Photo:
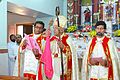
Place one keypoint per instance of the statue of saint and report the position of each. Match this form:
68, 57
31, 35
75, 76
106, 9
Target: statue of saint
87, 14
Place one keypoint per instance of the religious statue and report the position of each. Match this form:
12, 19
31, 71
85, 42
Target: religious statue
87, 14
109, 12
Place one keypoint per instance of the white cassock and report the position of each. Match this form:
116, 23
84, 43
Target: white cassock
101, 71
57, 60
118, 47
75, 68
12, 53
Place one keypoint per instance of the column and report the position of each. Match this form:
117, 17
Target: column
101, 10
3, 24
95, 10
3, 38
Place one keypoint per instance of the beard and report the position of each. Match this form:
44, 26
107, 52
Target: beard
100, 34
13, 40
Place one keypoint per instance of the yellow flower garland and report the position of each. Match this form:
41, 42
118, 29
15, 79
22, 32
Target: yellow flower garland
117, 33
71, 28
92, 33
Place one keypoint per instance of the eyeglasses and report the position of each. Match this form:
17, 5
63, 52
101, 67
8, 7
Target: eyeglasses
18, 37
38, 27
99, 28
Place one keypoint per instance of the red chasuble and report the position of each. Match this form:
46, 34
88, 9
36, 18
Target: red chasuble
107, 53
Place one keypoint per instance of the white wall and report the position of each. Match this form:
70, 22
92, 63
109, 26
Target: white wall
45, 20
65, 8
3, 24
3, 37
4, 64
17, 19
45, 6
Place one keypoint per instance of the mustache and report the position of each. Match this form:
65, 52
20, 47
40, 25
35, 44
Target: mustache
100, 34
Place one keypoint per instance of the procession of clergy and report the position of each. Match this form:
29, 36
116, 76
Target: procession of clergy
43, 56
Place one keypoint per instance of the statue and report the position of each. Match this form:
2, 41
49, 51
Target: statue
109, 12
87, 14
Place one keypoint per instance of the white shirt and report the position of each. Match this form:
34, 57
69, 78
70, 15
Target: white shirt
12, 51
98, 50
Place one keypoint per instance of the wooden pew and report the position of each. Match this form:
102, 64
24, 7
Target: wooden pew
4, 77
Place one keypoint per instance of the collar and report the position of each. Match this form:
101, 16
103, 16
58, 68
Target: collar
100, 39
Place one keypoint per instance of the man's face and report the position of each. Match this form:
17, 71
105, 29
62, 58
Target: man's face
13, 38
18, 39
57, 29
100, 30
38, 28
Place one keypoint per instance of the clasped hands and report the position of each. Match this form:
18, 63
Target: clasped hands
97, 61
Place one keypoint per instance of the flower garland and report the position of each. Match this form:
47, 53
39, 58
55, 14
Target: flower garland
117, 33
72, 28
92, 33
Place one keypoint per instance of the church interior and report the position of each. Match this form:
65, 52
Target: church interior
19, 16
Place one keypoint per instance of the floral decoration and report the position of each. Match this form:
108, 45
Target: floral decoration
117, 33
72, 28
92, 33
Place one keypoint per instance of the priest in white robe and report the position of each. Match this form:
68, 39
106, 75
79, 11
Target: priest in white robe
11, 54
101, 61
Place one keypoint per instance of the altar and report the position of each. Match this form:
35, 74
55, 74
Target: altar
85, 13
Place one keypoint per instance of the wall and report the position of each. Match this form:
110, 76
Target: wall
3, 38
17, 19
65, 8
14, 19
4, 64
11, 30
40, 5
45, 20
3, 24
